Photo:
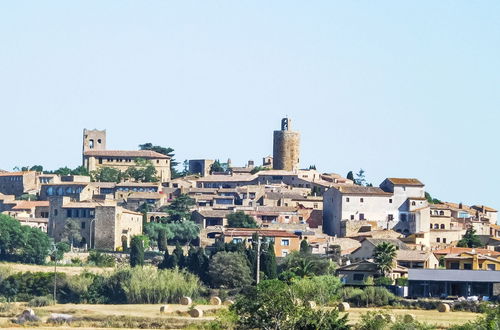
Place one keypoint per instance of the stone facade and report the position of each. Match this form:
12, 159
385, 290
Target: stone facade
286, 147
18, 183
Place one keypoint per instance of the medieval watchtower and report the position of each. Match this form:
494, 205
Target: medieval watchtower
286, 147
94, 140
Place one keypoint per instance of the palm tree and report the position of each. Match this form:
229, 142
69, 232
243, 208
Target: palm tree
384, 255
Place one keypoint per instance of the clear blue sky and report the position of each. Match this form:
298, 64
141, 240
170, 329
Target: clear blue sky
399, 88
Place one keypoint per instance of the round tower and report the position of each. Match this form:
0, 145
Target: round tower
286, 147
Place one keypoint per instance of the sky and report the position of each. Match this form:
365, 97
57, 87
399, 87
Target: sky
398, 88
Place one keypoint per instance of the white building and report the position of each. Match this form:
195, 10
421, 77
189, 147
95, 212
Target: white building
398, 204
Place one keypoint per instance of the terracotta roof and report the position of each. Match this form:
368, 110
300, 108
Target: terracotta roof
405, 182
458, 250
482, 207
361, 190
122, 153
228, 178
214, 213
24, 205
394, 241
248, 232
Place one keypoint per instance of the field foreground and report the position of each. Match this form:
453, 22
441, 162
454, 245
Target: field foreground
140, 316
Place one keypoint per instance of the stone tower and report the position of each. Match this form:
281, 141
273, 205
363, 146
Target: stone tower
286, 147
94, 140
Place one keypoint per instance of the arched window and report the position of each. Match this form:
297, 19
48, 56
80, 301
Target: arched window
431, 225
413, 203
91, 144
152, 219
436, 226
441, 212
442, 226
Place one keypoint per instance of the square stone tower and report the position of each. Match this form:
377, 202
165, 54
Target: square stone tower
286, 147
94, 140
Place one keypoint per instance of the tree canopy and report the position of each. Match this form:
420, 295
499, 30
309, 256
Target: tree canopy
167, 151
229, 270
384, 255
470, 239
240, 219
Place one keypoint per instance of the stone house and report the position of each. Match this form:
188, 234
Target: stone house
416, 259
358, 272
284, 241
18, 183
365, 251
103, 225
472, 261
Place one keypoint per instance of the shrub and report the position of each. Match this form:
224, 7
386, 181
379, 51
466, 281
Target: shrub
322, 289
383, 281
41, 301
375, 320
369, 296
402, 281
491, 321
101, 259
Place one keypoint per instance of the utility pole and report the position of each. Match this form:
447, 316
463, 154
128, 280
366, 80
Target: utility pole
257, 276
54, 251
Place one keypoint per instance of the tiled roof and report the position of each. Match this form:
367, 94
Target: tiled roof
412, 255
393, 241
361, 190
405, 182
14, 173
248, 232
24, 205
228, 178
214, 213
145, 195
457, 250
482, 207
122, 153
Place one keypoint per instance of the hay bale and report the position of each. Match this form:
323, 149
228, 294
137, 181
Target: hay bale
163, 309
196, 312
186, 301
228, 302
215, 301
390, 318
344, 307
444, 308
60, 318
311, 304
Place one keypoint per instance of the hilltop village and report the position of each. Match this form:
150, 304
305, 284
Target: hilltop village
119, 194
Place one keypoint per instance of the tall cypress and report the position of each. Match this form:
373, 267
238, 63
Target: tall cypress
179, 253
162, 240
268, 262
164, 263
136, 251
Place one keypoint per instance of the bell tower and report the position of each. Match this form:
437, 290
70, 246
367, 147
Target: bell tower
286, 147
94, 140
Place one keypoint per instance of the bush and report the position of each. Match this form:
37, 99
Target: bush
402, 281
101, 259
491, 321
322, 289
383, 281
369, 296
41, 301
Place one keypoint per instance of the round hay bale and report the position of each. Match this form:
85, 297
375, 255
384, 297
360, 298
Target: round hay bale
390, 318
28, 313
443, 308
344, 307
196, 312
311, 304
297, 302
228, 302
186, 301
164, 309
215, 301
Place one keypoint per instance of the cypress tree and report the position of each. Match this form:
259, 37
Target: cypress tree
162, 240
179, 253
191, 261
172, 261
164, 263
304, 247
268, 262
136, 251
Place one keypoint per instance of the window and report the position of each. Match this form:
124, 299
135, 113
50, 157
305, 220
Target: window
413, 203
468, 266
358, 277
441, 212
390, 200
436, 226
454, 265
361, 200
352, 216
315, 205
438, 240
442, 226
361, 216
347, 199
431, 225
285, 242
237, 240
284, 253
83, 225
390, 217
444, 240
491, 267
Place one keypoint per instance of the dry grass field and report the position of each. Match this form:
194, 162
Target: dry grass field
69, 270
138, 316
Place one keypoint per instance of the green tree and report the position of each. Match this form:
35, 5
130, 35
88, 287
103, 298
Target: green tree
179, 253
470, 239
217, 166
268, 262
61, 249
12, 236
271, 305
183, 231
432, 200
162, 239
384, 255
167, 151
240, 219
36, 168
164, 263
137, 251
360, 178
180, 209
304, 247
107, 174
300, 265
36, 249
350, 176
143, 171
229, 270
